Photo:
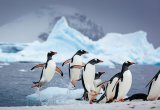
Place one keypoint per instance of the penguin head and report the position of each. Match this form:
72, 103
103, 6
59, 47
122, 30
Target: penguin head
51, 53
128, 63
81, 52
95, 61
98, 75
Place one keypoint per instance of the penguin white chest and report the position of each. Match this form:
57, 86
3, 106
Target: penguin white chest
49, 71
109, 93
154, 92
88, 77
125, 84
75, 72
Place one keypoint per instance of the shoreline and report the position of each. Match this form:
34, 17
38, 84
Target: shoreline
134, 105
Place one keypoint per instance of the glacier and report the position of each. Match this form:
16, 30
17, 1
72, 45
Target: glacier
112, 48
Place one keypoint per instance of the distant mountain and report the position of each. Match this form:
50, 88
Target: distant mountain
38, 24
84, 25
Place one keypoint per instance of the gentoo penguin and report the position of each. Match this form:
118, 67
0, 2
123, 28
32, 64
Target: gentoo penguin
48, 70
109, 94
75, 73
88, 77
154, 87
96, 82
119, 85
124, 82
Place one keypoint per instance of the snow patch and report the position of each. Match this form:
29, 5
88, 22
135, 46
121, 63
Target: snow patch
56, 96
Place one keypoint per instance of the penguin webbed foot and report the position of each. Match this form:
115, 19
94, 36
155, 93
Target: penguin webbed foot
36, 84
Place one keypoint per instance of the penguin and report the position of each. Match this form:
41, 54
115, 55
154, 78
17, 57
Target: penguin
96, 82
154, 87
137, 96
48, 70
109, 94
119, 85
88, 76
75, 73
124, 82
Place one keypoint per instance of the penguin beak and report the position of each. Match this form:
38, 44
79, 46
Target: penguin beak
132, 63
53, 53
86, 52
100, 61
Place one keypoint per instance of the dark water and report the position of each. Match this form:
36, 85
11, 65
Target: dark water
16, 80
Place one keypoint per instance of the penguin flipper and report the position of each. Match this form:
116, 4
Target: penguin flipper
103, 83
77, 66
66, 62
116, 84
38, 66
155, 77
58, 70
150, 82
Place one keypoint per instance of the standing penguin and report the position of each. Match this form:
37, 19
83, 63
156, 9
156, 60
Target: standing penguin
48, 70
119, 85
124, 82
88, 77
154, 87
75, 73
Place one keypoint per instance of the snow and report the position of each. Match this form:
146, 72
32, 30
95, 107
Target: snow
143, 105
112, 48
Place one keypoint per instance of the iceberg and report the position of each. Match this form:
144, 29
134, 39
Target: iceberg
56, 96
112, 48
132, 46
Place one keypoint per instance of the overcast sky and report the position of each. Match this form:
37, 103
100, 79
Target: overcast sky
121, 16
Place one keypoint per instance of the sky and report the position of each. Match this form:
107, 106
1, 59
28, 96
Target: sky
120, 16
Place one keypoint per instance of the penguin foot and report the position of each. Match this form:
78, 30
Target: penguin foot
120, 100
36, 84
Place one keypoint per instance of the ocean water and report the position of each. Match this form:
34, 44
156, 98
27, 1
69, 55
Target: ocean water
16, 80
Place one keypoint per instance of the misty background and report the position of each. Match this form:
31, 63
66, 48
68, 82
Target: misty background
122, 16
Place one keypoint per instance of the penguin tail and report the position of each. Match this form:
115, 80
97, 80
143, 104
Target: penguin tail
126, 99
36, 84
